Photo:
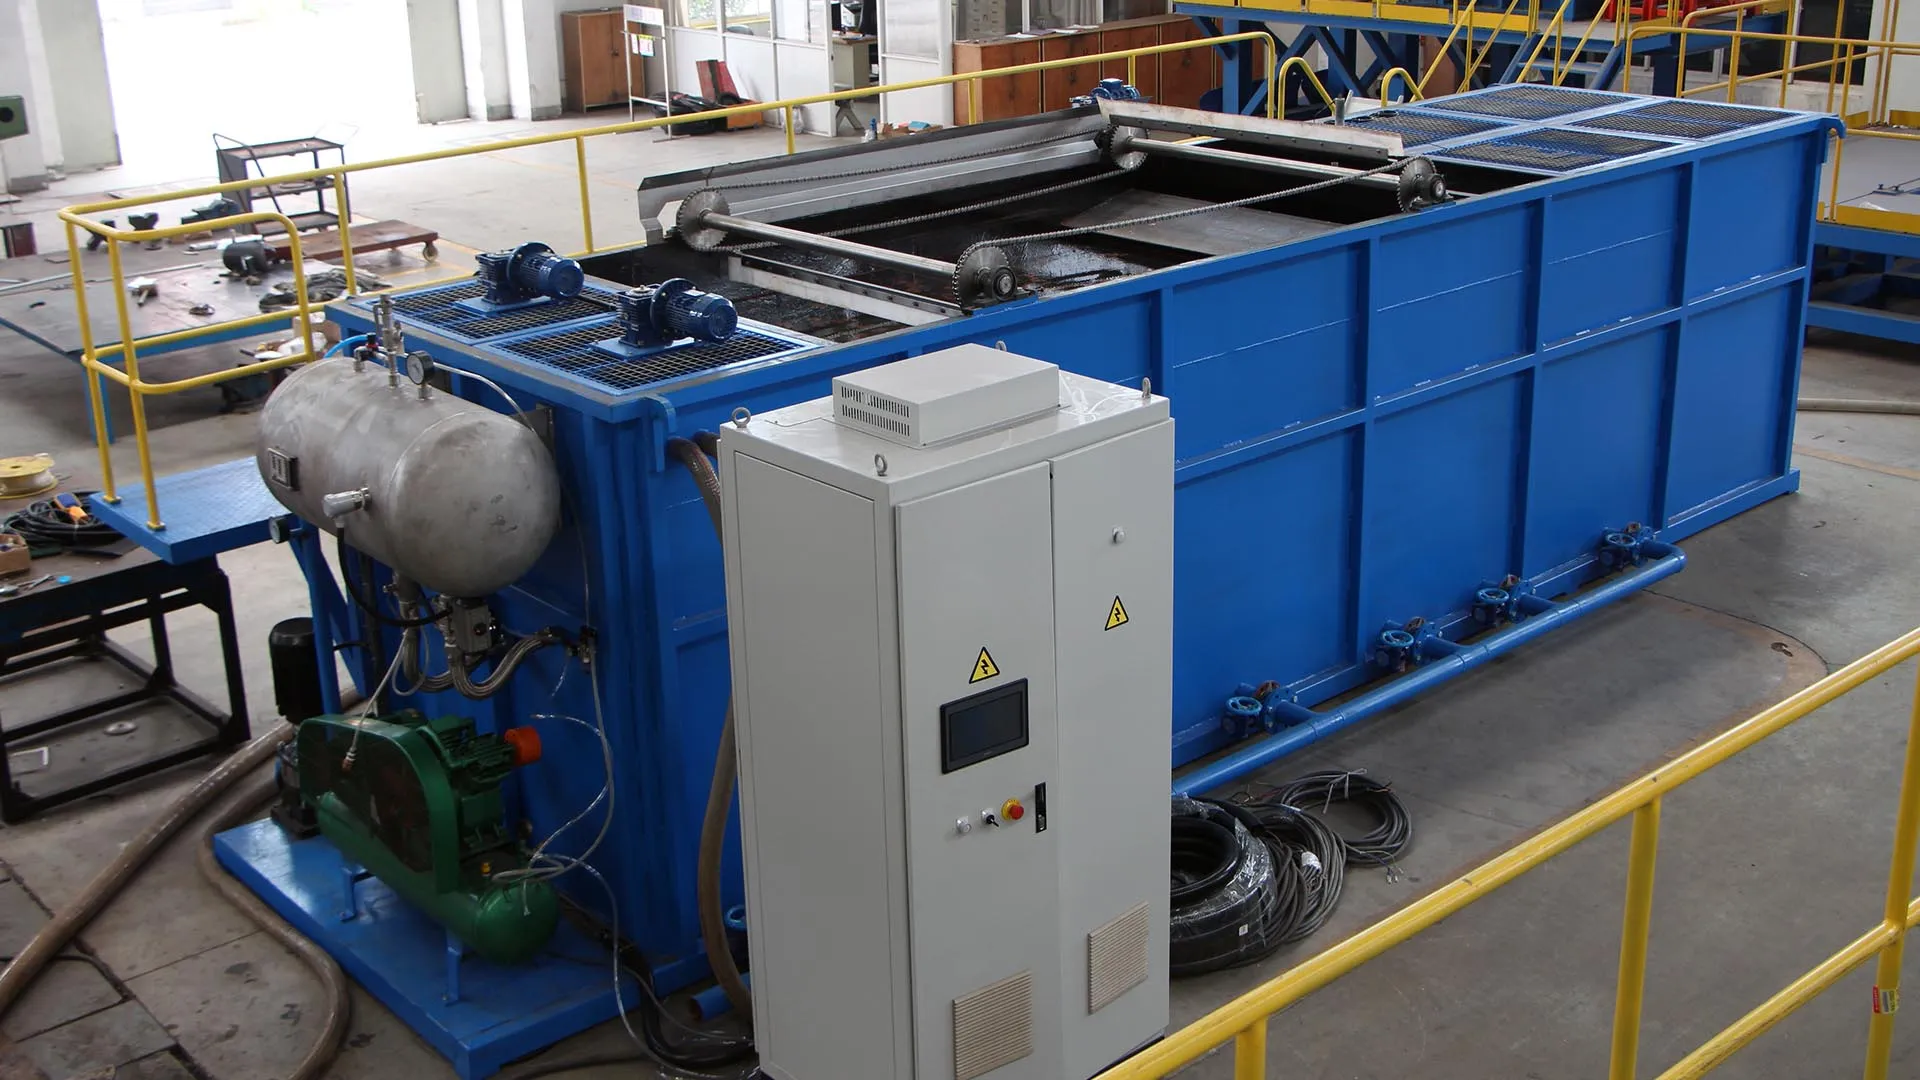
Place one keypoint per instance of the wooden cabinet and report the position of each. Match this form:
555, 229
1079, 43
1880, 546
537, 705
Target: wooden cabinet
1187, 73
1059, 86
1175, 78
1146, 69
1007, 96
594, 49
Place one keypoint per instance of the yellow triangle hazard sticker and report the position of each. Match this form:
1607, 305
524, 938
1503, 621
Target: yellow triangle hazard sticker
984, 668
1117, 615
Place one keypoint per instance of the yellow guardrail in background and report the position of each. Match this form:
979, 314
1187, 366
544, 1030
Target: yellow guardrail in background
93, 357
1879, 121
1244, 1020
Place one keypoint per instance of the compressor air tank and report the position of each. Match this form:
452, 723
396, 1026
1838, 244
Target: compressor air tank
450, 494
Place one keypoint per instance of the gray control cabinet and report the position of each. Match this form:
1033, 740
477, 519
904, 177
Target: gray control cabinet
952, 670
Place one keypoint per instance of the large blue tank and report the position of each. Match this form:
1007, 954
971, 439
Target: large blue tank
1376, 425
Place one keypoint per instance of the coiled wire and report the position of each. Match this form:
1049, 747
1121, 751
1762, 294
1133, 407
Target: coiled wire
1381, 844
42, 523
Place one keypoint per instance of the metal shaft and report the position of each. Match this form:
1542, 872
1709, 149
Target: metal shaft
1215, 155
781, 234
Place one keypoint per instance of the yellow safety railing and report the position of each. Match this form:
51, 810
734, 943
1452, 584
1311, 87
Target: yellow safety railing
1475, 60
94, 357
1556, 29
1880, 120
1244, 1020
1384, 85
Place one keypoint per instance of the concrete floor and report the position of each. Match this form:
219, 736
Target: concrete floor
1769, 864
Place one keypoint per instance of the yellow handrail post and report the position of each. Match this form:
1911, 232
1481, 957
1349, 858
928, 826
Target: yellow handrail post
1630, 992
303, 306
1833, 182
1250, 1052
1132, 70
974, 93
1906, 836
86, 360
342, 211
1440, 55
1733, 55
1786, 53
129, 357
586, 198
786, 124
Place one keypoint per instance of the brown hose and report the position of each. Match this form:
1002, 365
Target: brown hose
1888, 407
53, 937
333, 982
713, 826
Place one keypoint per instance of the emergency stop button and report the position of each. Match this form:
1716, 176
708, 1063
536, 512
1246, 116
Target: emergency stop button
1012, 810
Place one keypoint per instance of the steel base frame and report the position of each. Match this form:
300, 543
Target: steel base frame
70, 622
479, 1015
1861, 271
1392, 43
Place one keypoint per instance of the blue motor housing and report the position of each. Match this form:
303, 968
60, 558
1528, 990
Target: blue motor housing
653, 317
528, 274
1110, 90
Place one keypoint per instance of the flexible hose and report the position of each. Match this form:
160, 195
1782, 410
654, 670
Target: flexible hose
347, 344
1888, 407
713, 825
333, 982
53, 937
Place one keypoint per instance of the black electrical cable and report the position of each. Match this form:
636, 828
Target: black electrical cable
1231, 900
1309, 864
1381, 844
45, 523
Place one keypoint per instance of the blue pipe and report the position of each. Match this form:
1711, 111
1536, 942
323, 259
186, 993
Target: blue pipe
1311, 726
346, 344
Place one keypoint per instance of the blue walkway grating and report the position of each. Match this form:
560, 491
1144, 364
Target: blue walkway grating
1528, 102
204, 512
1554, 150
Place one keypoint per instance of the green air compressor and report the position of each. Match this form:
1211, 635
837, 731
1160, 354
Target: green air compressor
417, 802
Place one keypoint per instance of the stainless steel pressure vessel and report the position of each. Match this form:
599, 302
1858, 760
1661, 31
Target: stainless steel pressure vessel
453, 495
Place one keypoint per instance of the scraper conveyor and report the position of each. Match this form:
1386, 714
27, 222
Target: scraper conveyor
965, 219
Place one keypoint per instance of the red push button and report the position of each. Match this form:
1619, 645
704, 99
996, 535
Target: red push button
1012, 810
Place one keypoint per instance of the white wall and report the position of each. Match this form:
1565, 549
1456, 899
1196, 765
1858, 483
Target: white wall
45, 119
83, 96
483, 55
22, 159
439, 73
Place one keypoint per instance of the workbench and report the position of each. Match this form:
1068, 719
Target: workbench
60, 622
47, 315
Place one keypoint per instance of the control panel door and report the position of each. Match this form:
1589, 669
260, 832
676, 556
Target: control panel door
977, 695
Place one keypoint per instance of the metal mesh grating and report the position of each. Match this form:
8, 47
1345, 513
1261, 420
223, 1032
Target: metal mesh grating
1553, 150
1423, 127
1682, 119
687, 360
1526, 102
573, 352
434, 308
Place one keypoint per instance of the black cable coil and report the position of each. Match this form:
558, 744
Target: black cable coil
1378, 846
1260, 871
45, 524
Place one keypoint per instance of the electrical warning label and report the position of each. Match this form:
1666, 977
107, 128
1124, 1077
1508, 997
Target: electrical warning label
1117, 614
984, 668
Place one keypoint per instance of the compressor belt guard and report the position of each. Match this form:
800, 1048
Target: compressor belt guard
417, 802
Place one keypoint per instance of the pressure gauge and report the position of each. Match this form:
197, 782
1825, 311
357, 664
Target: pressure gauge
419, 367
